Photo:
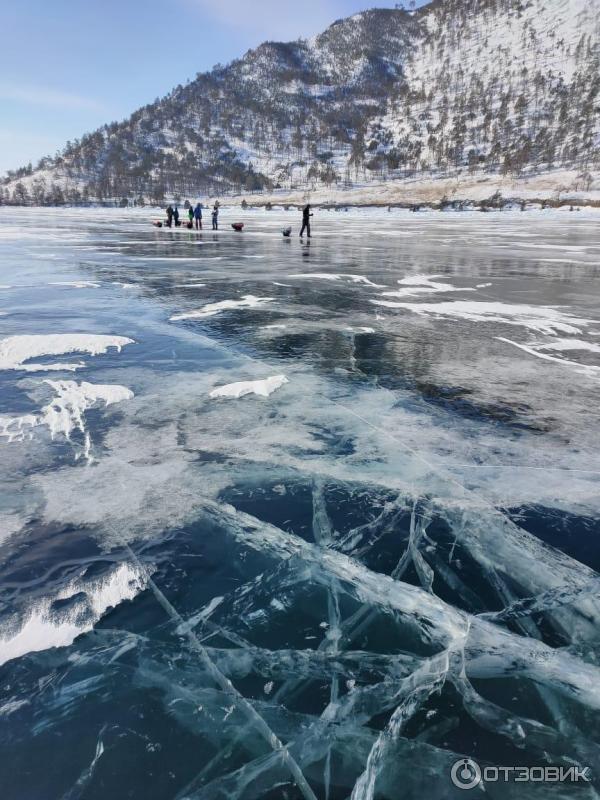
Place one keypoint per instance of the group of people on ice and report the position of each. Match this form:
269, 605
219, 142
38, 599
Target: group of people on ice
194, 216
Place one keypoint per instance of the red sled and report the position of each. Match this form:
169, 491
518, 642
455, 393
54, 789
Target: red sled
237, 226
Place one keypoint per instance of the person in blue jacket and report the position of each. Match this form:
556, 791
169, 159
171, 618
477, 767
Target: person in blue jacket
176, 216
198, 216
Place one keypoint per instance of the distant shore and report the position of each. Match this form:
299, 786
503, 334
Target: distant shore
551, 189
461, 190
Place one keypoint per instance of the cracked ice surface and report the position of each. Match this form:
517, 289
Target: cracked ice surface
385, 562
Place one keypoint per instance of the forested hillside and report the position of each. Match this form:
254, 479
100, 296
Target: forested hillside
500, 86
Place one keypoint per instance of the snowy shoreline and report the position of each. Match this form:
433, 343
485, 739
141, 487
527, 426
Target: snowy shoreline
551, 188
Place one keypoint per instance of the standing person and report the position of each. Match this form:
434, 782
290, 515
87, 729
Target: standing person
198, 216
306, 215
191, 216
169, 216
176, 216
215, 217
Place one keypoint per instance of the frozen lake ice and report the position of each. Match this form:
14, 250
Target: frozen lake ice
298, 519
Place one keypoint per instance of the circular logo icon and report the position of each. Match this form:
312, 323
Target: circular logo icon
466, 773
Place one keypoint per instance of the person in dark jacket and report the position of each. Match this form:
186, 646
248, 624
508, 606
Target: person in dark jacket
169, 216
215, 218
176, 216
306, 215
198, 216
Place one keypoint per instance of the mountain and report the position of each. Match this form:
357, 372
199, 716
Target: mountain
460, 86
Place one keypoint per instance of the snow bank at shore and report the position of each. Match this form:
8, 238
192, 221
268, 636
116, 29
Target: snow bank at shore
555, 185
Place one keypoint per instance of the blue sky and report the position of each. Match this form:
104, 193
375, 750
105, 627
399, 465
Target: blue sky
69, 66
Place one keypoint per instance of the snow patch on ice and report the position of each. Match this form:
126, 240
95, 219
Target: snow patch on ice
537, 351
211, 309
17, 429
542, 319
333, 276
76, 284
262, 388
15, 351
423, 284
568, 344
65, 412
45, 628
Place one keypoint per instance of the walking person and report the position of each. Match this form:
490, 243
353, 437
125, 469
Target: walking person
306, 215
169, 216
198, 216
176, 216
215, 218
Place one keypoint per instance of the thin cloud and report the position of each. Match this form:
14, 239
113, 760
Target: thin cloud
51, 98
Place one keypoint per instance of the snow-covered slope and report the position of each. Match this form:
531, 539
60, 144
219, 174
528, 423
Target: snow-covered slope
501, 86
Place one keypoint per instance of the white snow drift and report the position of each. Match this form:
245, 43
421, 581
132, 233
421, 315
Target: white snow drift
17, 351
537, 350
212, 309
45, 628
416, 285
65, 412
336, 276
262, 388
76, 284
541, 319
